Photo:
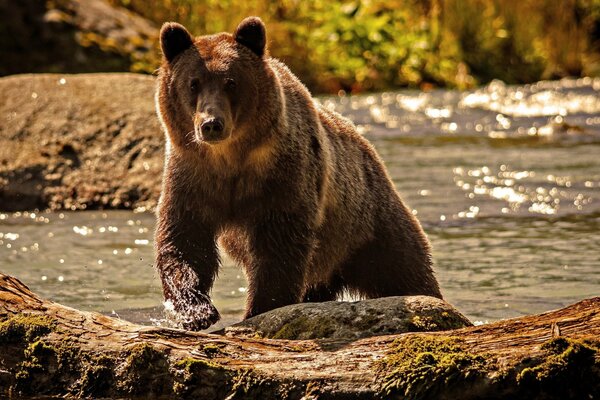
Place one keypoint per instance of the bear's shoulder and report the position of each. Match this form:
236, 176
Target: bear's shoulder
288, 81
333, 120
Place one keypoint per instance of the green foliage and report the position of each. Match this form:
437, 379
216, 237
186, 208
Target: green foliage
371, 46
356, 45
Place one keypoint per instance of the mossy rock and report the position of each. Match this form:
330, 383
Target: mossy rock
353, 320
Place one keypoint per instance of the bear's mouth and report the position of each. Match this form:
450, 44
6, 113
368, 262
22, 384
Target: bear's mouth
211, 139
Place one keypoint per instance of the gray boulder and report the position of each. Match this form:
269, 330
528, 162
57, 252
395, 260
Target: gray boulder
353, 320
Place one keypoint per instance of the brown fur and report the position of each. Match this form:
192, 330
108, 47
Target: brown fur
291, 190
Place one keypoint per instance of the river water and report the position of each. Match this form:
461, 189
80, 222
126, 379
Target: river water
505, 180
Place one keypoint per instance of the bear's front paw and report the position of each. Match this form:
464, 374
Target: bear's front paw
195, 311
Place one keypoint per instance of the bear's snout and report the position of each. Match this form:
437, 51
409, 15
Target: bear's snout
211, 130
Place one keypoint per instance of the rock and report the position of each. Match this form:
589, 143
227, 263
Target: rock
74, 36
79, 141
353, 320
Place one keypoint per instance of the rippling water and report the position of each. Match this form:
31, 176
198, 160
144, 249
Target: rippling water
505, 179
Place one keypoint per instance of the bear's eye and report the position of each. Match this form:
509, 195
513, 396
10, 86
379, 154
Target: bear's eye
230, 83
194, 86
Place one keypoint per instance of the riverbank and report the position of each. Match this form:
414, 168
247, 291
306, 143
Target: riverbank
74, 142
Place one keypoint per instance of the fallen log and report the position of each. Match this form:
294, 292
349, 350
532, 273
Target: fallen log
47, 349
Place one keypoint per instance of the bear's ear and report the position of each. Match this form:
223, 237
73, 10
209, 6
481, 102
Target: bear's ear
174, 39
251, 33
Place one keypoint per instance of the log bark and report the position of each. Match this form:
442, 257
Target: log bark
52, 350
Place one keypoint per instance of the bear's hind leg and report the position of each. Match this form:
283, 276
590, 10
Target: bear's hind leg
324, 292
379, 270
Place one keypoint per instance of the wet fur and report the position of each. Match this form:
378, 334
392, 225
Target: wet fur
295, 195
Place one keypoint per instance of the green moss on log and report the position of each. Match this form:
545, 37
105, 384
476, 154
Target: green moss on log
211, 350
195, 378
248, 384
418, 367
568, 368
421, 367
202, 379
145, 371
25, 328
97, 378
59, 369
40, 362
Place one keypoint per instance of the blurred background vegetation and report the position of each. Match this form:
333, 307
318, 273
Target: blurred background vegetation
334, 45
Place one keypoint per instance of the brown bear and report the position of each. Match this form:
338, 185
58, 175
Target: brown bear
288, 188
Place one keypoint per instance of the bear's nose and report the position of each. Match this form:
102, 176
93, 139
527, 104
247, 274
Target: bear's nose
212, 127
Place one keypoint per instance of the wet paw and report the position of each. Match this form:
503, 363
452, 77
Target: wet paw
195, 312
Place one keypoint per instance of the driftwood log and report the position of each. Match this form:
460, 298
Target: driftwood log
47, 349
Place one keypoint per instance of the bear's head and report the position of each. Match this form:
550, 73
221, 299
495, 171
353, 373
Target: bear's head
212, 88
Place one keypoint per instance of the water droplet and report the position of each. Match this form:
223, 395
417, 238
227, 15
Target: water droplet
169, 306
